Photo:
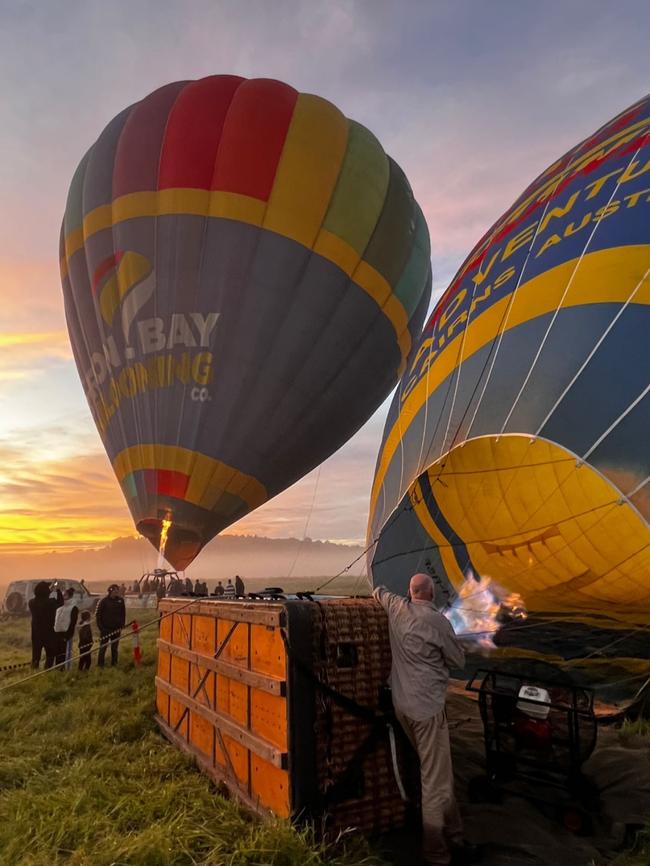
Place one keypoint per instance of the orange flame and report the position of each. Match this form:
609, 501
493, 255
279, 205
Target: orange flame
164, 532
481, 608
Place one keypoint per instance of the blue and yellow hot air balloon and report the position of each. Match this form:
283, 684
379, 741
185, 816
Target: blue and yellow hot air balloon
518, 442
244, 270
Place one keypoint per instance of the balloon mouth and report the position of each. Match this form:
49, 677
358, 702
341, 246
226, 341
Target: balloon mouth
181, 546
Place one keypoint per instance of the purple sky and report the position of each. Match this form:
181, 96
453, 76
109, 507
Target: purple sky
473, 99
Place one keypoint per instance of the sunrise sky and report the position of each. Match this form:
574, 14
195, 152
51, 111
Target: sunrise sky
473, 99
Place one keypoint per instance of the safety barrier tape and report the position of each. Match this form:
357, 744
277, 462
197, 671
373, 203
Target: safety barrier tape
15, 667
111, 637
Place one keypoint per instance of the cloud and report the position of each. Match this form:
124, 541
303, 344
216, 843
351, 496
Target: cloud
56, 503
30, 287
24, 355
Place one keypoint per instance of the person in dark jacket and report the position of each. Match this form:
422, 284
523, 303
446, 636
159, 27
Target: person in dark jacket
110, 616
240, 589
85, 641
43, 610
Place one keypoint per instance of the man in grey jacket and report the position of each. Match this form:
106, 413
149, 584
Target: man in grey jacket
424, 647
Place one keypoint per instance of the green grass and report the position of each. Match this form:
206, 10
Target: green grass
638, 728
86, 779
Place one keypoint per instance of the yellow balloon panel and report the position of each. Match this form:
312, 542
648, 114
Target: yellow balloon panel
540, 522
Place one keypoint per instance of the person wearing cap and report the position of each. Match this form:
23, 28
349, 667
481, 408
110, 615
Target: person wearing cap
110, 616
424, 646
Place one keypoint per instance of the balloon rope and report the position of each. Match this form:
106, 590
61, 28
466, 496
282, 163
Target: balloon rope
623, 414
593, 351
491, 358
638, 487
347, 567
307, 521
564, 294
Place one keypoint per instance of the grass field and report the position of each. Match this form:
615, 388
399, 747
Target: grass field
86, 780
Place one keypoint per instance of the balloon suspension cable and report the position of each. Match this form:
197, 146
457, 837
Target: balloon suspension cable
406, 507
347, 567
307, 522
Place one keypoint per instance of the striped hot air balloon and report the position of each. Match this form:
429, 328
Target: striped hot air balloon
518, 441
244, 270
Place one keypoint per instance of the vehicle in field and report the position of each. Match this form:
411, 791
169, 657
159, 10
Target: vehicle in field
19, 593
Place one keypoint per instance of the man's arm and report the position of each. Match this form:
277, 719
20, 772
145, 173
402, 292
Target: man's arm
388, 600
452, 650
122, 614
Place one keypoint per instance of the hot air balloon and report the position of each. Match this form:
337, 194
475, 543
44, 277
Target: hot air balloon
517, 443
244, 270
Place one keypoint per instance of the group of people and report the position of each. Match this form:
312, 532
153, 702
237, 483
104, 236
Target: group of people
230, 590
174, 586
184, 586
56, 617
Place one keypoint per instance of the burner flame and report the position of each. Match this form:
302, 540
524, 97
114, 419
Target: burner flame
164, 532
481, 608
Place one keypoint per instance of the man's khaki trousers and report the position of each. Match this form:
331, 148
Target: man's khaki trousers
441, 824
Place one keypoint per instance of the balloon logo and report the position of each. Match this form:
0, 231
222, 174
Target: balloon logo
244, 272
123, 280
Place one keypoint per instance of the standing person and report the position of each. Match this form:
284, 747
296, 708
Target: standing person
424, 647
219, 590
110, 616
229, 590
65, 621
85, 641
43, 610
240, 589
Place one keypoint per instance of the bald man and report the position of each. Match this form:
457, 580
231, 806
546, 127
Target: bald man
424, 647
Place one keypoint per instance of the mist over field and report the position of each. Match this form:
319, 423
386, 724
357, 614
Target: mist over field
253, 557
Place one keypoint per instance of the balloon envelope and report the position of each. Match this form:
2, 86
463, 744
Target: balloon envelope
517, 442
244, 270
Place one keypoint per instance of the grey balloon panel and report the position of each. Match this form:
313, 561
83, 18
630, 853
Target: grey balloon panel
404, 549
98, 179
574, 334
288, 323
619, 368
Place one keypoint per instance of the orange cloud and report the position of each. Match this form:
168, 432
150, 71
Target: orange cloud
72, 502
26, 354
31, 295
